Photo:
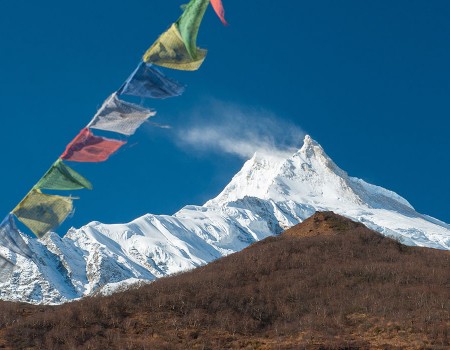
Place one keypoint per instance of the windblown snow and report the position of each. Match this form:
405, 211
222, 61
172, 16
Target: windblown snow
267, 196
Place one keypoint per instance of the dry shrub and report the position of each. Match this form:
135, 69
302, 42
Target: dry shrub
345, 290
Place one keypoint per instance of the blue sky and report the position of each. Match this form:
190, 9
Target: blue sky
370, 81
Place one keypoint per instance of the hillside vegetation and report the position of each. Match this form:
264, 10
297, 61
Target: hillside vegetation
328, 283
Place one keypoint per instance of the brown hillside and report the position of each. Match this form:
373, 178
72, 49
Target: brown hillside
328, 283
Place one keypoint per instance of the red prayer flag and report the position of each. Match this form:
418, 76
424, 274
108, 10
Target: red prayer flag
87, 147
218, 7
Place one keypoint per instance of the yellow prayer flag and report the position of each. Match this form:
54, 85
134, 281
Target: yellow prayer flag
170, 51
42, 212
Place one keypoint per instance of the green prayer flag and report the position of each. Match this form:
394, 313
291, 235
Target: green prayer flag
189, 23
42, 212
62, 177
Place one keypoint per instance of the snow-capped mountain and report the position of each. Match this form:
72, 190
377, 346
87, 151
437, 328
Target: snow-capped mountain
268, 195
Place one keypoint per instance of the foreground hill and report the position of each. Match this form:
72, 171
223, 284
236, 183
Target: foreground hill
328, 283
269, 194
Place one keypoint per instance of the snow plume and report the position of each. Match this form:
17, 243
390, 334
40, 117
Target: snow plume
239, 130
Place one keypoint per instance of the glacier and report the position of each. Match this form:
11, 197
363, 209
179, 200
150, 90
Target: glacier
268, 195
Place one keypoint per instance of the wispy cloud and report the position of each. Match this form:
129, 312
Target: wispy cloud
239, 130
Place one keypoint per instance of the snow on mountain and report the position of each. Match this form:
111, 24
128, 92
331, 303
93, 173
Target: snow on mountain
268, 195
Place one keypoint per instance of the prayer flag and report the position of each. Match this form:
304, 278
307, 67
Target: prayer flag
148, 82
86, 147
42, 212
170, 51
189, 23
62, 177
6, 268
10, 238
120, 116
218, 7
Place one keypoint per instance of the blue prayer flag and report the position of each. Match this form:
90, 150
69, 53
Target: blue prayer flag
148, 82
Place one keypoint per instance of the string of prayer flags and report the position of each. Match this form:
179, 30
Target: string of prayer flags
148, 82
62, 177
176, 48
120, 116
189, 23
218, 8
170, 51
11, 238
42, 212
86, 147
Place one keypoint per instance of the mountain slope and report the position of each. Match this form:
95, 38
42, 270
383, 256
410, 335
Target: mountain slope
328, 283
267, 196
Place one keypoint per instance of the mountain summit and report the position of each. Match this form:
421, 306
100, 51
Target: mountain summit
268, 195
308, 177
